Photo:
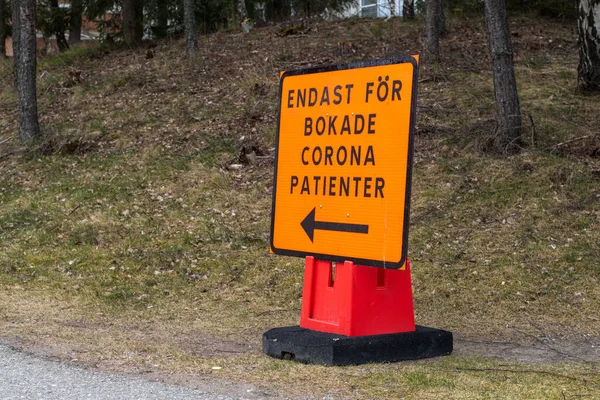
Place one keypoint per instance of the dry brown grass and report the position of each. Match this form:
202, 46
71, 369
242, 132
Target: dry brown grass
134, 240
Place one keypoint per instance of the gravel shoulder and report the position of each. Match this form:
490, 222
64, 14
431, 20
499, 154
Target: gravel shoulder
25, 376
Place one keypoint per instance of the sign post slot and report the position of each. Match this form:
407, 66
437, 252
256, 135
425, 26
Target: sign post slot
341, 199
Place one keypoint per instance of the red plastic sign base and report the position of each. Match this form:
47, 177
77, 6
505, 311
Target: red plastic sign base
358, 300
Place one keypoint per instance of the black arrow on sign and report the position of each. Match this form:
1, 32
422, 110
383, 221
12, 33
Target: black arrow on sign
309, 225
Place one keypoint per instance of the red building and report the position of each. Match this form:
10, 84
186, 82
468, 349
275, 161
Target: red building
89, 32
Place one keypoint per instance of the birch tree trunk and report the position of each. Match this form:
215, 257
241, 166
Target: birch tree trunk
191, 35
508, 111
431, 53
2, 29
75, 21
241, 7
24, 47
408, 9
588, 24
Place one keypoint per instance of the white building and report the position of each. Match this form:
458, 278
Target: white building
375, 8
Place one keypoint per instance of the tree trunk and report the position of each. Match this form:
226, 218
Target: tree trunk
162, 18
75, 21
58, 25
2, 29
191, 35
280, 10
133, 28
408, 9
392, 6
431, 53
508, 111
588, 23
24, 47
241, 7
442, 19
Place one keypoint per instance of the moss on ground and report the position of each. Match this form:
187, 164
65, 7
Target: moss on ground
142, 220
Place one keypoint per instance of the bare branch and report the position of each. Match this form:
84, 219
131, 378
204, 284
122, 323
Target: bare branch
577, 139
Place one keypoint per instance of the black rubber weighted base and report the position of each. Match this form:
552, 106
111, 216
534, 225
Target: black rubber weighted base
312, 347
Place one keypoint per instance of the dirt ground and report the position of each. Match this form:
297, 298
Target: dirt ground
163, 270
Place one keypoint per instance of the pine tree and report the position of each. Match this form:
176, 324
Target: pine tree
2, 29
431, 53
191, 36
508, 111
24, 49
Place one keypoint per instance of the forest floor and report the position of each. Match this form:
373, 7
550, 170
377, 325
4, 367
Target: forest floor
135, 237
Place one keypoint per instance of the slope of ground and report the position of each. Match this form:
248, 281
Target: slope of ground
135, 237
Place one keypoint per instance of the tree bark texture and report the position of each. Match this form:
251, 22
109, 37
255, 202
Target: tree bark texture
431, 53
588, 24
75, 21
162, 18
24, 48
242, 10
442, 20
392, 5
408, 9
191, 34
2, 29
58, 24
133, 22
508, 111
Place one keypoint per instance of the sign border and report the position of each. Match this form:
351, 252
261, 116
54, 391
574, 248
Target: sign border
411, 135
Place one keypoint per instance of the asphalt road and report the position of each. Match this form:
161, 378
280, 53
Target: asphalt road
23, 376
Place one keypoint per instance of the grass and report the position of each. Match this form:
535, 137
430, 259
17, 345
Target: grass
135, 241
156, 338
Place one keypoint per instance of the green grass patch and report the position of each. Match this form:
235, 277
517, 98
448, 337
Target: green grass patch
70, 57
142, 221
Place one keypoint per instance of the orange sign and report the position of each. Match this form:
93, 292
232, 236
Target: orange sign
344, 159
